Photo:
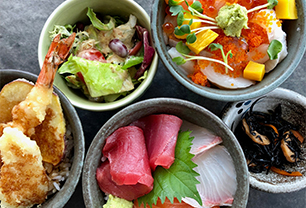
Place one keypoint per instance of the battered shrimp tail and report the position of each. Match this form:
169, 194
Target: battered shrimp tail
57, 53
32, 111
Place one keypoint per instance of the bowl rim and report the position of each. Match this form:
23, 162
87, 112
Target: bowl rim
286, 94
219, 94
78, 153
97, 143
95, 106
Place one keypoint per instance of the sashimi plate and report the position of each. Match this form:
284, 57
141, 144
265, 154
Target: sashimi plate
186, 111
293, 111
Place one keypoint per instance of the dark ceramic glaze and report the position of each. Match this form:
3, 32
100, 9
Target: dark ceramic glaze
296, 43
59, 199
293, 110
186, 110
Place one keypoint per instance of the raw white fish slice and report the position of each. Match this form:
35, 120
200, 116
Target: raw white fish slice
203, 138
217, 178
275, 32
224, 81
188, 66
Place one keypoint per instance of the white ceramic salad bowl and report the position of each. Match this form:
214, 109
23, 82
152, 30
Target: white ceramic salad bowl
72, 11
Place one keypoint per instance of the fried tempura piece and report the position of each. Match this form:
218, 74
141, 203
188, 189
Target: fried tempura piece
23, 181
49, 135
12, 94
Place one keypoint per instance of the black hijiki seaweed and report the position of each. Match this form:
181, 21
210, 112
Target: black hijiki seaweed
262, 157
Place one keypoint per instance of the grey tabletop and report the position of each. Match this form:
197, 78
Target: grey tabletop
21, 22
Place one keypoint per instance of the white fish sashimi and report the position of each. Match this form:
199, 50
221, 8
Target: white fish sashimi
275, 32
217, 178
225, 81
203, 138
260, 49
188, 66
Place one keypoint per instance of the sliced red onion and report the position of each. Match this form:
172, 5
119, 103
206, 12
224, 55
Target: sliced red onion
118, 48
148, 54
137, 47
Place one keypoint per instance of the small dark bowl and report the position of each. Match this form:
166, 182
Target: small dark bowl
186, 110
296, 44
60, 198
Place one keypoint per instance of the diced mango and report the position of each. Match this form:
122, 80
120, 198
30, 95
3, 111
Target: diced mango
194, 24
286, 9
254, 71
204, 38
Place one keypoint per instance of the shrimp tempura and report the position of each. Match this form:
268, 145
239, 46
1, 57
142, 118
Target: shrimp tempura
23, 181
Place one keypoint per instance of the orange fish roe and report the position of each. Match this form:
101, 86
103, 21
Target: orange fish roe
255, 35
266, 19
199, 78
239, 51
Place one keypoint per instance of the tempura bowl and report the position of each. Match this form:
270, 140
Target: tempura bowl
72, 11
293, 111
186, 110
60, 198
296, 43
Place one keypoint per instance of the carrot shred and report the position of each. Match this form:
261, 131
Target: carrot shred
283, 172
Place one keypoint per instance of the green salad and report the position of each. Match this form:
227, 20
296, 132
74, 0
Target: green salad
109, 57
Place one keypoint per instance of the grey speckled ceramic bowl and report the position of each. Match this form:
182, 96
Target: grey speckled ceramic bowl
296, 41
186, 110
294, 111
72, 11
60, 198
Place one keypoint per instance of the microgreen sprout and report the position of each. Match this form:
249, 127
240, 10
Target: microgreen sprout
275, 47
184, 51
174, 2
200, 29
216, 46
270, 5
196, 10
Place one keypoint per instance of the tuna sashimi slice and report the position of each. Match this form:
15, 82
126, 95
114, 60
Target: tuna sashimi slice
108, 186
128, 157
161, 134
217, 178
203, 138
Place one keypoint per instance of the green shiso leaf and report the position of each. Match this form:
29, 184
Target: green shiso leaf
274, 49
179, 180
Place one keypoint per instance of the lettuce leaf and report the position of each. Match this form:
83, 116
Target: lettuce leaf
98, 24
100, 78
179, 180
132, 61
